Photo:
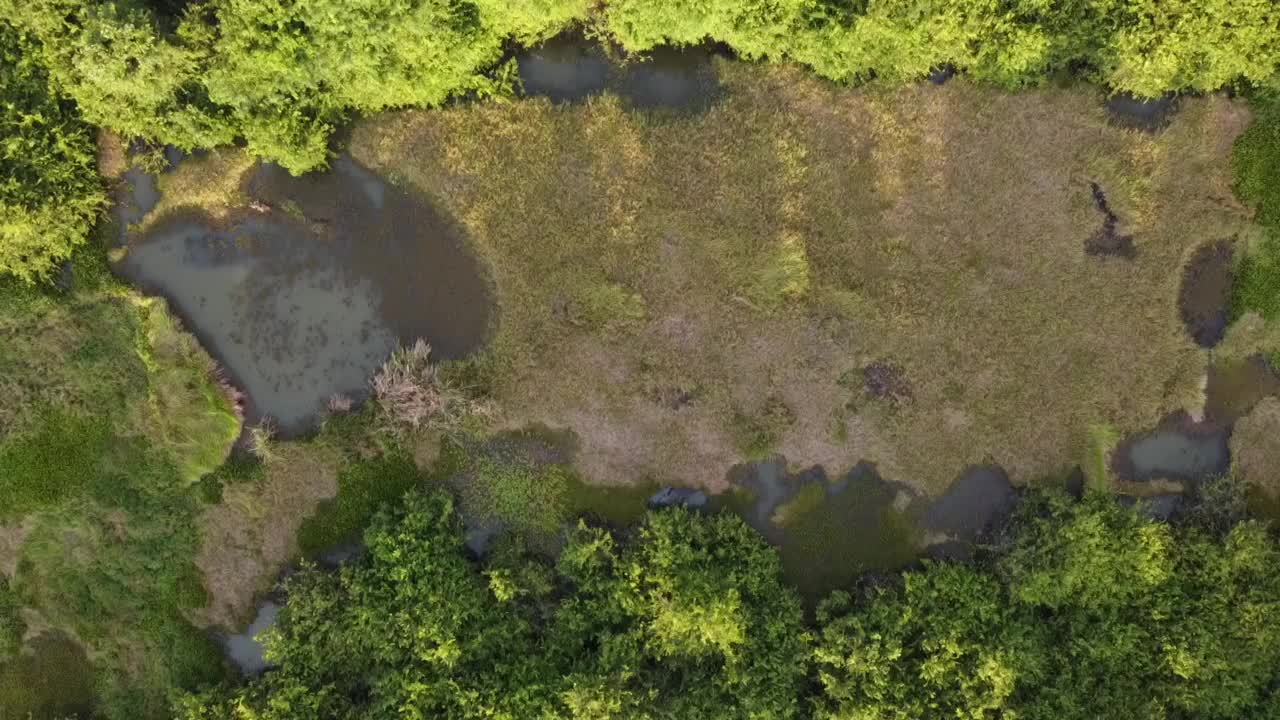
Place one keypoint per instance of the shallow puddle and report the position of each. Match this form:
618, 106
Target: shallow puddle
245, 649
1236, 386
564, 69
828, 533
304, 296
571, 68
979, 499
1108, 241
1205, 296
1178, 450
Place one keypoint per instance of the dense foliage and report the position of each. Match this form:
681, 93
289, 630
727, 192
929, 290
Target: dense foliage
283, 74
49, 192
1090, 611
688, 620
1093, 612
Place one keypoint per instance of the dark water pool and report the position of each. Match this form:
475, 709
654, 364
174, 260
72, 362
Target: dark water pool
246, 649
1205, 296
830, 532
309, 289
571, 68
1235, 386
1153, 115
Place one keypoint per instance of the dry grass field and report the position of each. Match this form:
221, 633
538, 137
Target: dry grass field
832, 274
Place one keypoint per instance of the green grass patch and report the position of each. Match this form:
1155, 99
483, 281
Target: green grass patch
757, 435
59, 458
528, 497
1256, 164
1101, 442
364, 486
53, 680
808, 499
115, 413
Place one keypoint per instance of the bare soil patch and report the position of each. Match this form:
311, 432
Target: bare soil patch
250, 536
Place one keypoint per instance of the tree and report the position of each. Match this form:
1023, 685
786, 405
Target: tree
49, 191
418, 630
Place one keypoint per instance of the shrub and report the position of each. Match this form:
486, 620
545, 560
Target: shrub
411, 390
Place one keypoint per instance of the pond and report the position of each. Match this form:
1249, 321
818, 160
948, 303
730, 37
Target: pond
246, 649
1179, 449
1149, 115
1204, 298
307, 290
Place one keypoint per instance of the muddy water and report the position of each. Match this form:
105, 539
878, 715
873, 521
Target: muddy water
570, 69
564, 69
981, 497
1236, 386
306, 293
246, 649
1180, 449
1205, 296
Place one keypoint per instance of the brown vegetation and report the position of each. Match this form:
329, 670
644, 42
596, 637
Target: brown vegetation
412, 393
249, 537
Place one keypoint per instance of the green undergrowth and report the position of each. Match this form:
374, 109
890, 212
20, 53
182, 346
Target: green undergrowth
284, 77
364, 486
52, 680
1256, 162
113, 415
525, 483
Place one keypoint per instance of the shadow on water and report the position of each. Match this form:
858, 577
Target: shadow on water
305, 293
570, 68
1125, 110
830, 533
51, 678
1205, 296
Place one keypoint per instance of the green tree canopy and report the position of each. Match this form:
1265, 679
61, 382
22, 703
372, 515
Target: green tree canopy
688, 620
49, 190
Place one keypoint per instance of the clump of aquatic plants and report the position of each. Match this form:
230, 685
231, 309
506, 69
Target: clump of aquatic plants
413, 392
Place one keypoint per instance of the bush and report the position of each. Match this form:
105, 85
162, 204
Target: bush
413, 393
283, 75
